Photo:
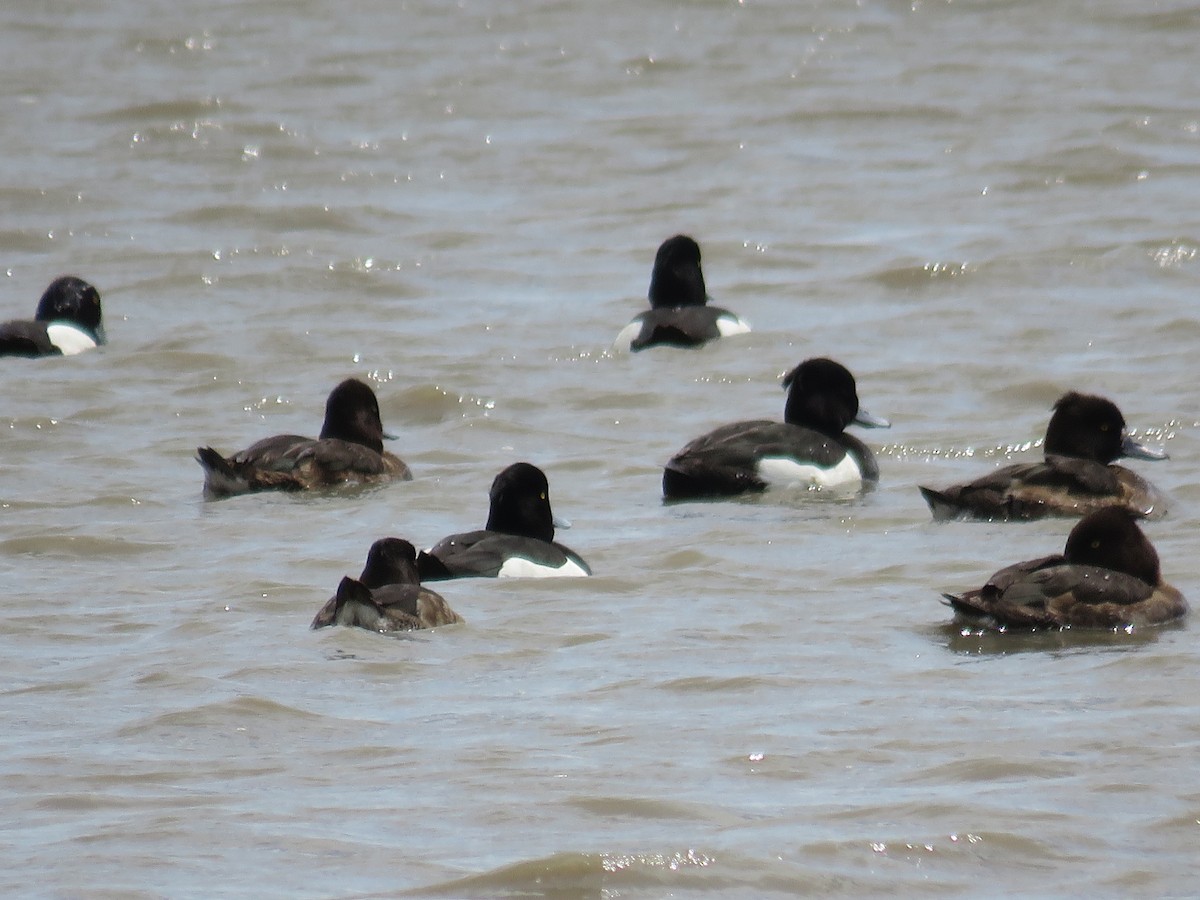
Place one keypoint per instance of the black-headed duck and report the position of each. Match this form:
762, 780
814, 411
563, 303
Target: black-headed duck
68, 320
348, 451
808, 448
1078, 475
679, 314
388, 595
517, 541
1108, 577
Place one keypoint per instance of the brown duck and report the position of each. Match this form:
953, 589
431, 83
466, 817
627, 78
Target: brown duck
1107, 577
1085, 435
387, 596
348, 451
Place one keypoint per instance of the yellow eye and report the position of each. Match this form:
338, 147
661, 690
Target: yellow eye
542, 495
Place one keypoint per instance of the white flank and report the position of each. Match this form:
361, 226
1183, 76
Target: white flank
69, 339
624, 341
732, 324
782, 471
516, 567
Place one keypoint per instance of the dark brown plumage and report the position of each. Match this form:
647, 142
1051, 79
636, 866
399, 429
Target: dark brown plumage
388, 595
1108, 577
1085, 435
348, 451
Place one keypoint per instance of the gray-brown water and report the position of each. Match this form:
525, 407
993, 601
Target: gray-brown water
974, 205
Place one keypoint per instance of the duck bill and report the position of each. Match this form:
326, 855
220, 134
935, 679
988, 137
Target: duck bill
1134, 450
101, 337
388, 436
866, 420
560, 522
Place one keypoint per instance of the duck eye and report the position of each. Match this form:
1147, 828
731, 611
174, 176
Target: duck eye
542, 495
1096, 544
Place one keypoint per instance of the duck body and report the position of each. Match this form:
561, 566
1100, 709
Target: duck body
1078, 475
1058, 486
491, 554
289, 462
388, 595
808, 449
1107, 577
679, 314
68, 320
392, 607
517, 542
751, 456
349, 450
679, 326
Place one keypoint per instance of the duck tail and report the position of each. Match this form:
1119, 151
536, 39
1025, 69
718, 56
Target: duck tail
941, 504
969, 608
430, 568
220, 478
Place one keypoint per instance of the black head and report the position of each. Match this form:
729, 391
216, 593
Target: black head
71, 299
1085, 426
821, 395
390, 561
1110, 538
520, 503
1089, 427
677, 279
352, 414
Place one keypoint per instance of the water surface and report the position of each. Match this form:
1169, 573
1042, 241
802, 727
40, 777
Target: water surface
976, 206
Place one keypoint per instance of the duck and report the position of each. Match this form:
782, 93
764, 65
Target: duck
1107, 576
809, 448
388, 595
348, 451
68, 320
517, 541
1078, 475
679, 315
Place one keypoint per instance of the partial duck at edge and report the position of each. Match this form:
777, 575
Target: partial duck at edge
68, 320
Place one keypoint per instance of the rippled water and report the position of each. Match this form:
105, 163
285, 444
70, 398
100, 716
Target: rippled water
974, 205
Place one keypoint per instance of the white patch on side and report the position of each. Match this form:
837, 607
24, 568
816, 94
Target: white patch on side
69, 339
516, 567
624, 341
782, 471
731, 324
